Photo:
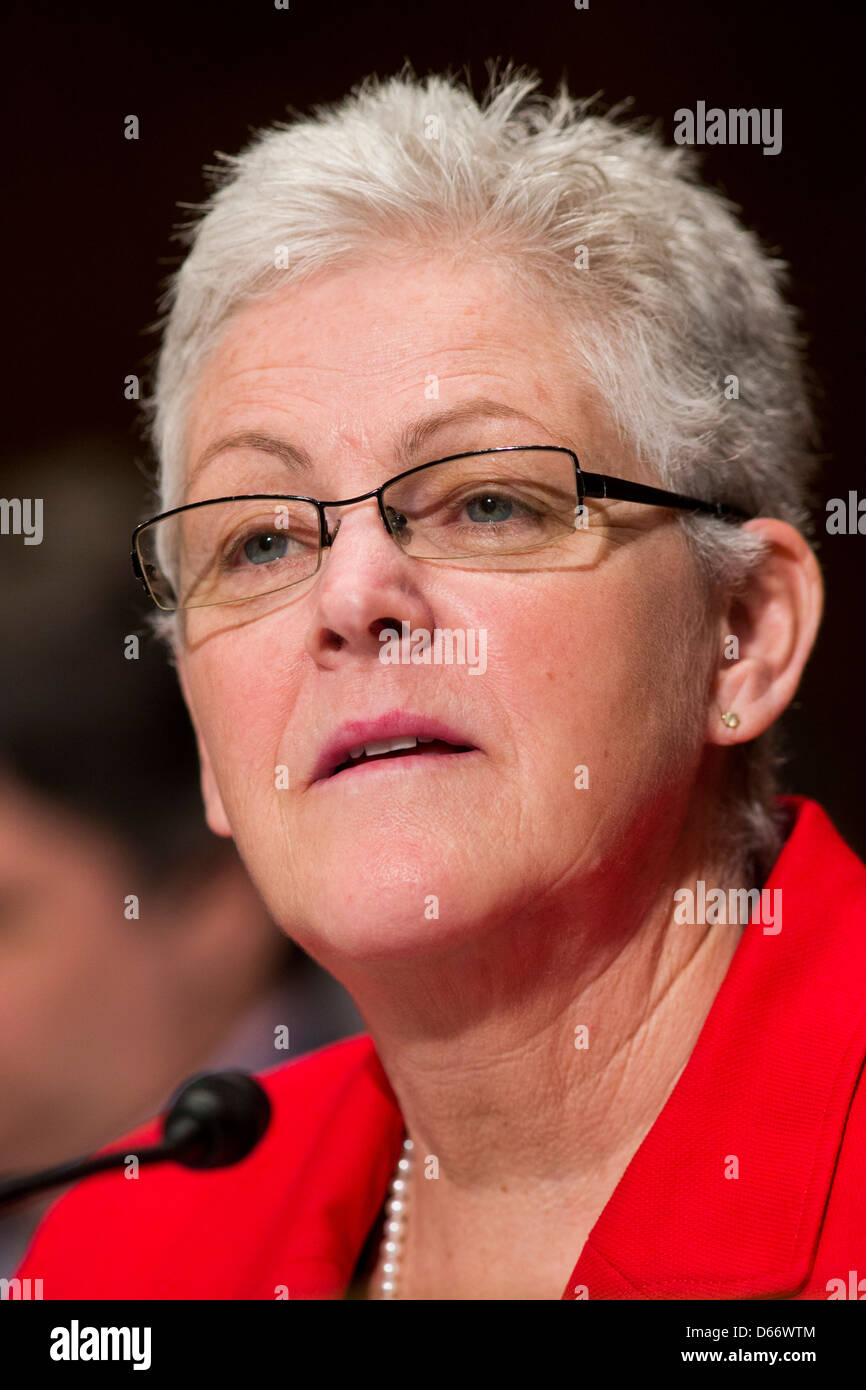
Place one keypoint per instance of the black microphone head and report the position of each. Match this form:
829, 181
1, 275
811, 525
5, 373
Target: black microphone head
216, 1119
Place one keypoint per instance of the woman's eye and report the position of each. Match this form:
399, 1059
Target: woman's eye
262, 548
493, 507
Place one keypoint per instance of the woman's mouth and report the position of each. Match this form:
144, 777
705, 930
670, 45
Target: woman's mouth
399, 740
406, 749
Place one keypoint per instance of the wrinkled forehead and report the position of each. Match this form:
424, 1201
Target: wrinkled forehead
394, 364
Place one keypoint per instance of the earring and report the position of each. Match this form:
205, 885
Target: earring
731, 719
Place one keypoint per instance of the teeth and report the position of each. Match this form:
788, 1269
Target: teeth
387, 745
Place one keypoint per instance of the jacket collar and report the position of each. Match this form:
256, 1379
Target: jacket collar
765, 1094
335, 1200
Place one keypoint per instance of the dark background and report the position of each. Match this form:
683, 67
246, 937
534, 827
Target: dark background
89, 214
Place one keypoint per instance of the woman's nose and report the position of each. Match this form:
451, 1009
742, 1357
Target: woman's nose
366, 584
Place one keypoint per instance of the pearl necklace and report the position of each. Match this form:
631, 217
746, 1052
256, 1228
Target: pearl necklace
395, 1222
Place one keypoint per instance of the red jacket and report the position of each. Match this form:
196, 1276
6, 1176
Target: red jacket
775, 1080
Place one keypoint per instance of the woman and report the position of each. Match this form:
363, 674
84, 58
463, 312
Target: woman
437, 379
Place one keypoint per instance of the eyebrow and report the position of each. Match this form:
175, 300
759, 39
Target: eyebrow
411, 439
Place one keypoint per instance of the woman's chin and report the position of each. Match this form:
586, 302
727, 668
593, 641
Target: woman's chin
389, 925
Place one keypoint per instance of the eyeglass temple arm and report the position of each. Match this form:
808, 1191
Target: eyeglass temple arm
600, 485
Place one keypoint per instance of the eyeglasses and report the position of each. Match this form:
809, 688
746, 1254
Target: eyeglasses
492, 506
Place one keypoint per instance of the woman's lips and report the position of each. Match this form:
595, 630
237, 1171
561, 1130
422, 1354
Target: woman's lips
423, 757
390, 732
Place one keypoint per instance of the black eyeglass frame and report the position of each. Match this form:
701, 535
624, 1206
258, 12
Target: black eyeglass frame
587, 485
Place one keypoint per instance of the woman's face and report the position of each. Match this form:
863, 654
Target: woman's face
586, 657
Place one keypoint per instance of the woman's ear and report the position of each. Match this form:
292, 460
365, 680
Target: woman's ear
767, 634
215, 814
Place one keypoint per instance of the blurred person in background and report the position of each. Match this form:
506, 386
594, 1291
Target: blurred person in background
104, 1013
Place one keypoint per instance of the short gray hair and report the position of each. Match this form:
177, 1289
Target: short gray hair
675, 297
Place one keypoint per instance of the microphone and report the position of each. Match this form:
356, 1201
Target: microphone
215, 1119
